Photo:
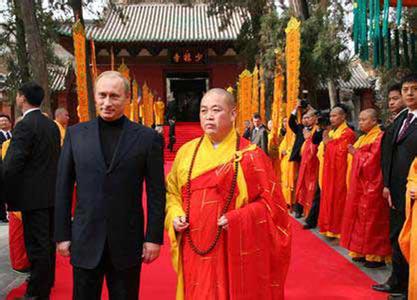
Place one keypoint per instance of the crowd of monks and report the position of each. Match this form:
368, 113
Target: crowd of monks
345, 183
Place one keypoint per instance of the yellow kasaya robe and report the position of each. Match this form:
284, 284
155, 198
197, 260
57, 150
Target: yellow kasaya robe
273, 153
222, 272
159, 109
62, 132
408, 235
288, 169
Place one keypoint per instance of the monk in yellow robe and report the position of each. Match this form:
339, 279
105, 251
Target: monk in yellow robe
159, 109
365, 229
61, 120
225, 214
288, 168
333, 173
408, 236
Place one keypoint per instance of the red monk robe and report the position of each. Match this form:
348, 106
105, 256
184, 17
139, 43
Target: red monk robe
308, 174
333, 196
365, 230
251, 257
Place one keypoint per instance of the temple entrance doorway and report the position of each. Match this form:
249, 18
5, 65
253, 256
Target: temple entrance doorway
184, 93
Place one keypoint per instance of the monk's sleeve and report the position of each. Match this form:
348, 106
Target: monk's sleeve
173, 207
369, 166
258, 235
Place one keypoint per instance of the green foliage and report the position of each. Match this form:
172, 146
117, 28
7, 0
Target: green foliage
9, 43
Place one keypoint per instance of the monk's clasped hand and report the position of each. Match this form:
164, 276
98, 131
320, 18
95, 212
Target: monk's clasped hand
180, 223
413, 194
223, 222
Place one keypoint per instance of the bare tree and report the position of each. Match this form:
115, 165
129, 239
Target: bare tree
37, 58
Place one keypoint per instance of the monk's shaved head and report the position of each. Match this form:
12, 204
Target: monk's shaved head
370, 112
339, 110
223, 94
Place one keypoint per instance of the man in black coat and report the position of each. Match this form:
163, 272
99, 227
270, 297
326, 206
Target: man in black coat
399, 152
30, 168
109, 158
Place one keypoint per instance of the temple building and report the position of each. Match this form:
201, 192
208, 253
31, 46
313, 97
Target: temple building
179, 51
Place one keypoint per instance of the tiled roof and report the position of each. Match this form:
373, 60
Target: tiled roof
359, 79
157, 22
57, 78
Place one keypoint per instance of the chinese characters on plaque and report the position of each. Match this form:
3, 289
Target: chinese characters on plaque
188, 56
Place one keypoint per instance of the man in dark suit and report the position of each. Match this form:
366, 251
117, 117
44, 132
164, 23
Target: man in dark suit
109, 158
5, 134
259, 134
399, 154
30, 168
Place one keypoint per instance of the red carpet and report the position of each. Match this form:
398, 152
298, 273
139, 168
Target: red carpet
317, 272
184, 132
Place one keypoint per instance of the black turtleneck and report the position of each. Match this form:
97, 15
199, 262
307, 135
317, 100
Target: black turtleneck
110, 132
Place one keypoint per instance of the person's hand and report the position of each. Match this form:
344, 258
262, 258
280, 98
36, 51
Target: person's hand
326, 137
351, 149
63, 248
387, 195
223, 222
180, 224
150, 252
283, 152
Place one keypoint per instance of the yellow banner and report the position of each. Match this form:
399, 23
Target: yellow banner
124, 70
245, 98
78, 35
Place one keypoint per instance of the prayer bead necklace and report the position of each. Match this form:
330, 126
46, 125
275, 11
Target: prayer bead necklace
229, 198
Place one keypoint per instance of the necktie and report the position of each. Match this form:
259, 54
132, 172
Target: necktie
405, 127
8, 135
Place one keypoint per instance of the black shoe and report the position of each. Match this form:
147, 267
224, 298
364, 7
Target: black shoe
22, 271
308, 226
397, 296
374, 264
359, 259
386, 288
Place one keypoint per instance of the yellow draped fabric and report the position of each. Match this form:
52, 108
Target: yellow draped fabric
408, 236
288, 169
147, 99
262, 100
245, 98
78, 35
255, 91
134, 105
124, 70
62, 131
207, 159
159, 110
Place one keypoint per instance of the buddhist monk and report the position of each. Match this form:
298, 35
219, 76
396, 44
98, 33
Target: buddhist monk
365, 229
334, 188
225, 214
61, 120
408, 236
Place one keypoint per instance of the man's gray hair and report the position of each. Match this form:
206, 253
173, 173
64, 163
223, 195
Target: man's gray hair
115, 74
59, 111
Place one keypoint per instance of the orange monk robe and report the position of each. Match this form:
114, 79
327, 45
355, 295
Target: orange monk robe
334, 189
408, 236
62, 131
159, 109
251, 258
288, 169
17, 249
308, 174
365, 229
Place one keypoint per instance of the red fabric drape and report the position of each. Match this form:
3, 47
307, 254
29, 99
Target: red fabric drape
365, 227
307, 176
333, 196
18, 256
